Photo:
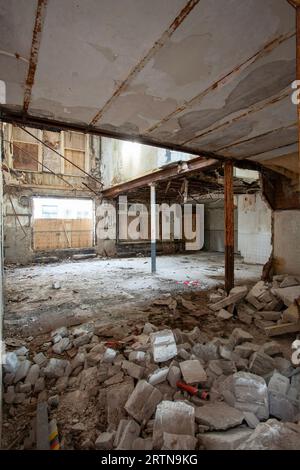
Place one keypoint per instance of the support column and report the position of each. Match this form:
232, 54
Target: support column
153, 227
229, 225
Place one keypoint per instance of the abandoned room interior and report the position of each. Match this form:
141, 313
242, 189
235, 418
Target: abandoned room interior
150, 225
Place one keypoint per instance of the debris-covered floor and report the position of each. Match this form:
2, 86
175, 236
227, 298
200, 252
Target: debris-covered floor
192, 369
106, 289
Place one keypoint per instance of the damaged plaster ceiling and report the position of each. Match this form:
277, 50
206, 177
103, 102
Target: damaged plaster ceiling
199, 76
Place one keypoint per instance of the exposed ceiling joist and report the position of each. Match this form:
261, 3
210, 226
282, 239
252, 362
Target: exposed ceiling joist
165, 174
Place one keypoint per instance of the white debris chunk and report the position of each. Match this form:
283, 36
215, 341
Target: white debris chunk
163, 345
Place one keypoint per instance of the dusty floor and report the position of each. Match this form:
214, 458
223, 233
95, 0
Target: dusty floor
106, 289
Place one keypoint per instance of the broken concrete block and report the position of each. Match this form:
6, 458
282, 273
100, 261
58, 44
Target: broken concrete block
40, 359
173, 418
291, 314
163, 345
39, 385
251, 419
25, 388
61, 331
289, 281
149, 328
22, 351
9, 396
137, 356
22, 370
193, 372
288, 294
57, 368
131, 431
239, 336
250, 392
224, 314
61, 346
178, 442
132, 369
143, 401
282, 407
243, 315
246, 349
116, 398
273, 435
105, 441
271, 316
158, 376
109, 355
82, 340
261, 363
33, 374
206, 352
11, 363
271, 348
218, 416
278, 383
74, 403
228, 440
142, 444
236, 295
255, 294
174, 376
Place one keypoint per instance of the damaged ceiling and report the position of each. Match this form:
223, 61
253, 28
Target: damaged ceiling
199, 76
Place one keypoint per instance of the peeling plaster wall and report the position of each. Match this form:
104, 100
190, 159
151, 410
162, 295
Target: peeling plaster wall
254, 229
287, 241
123, 161
214, 226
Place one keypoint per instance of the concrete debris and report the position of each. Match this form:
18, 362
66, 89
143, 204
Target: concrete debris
132, 369
158, 376
273, 435
288, 295
239, 336
163, 345
249, 393
130, 431
224, 314
60, 346
228, 440
193, 372
174, 375
178, 442
261, 363
57, 368
115, 386
173, 418
109, 355
218, 416
143, 401
105, 441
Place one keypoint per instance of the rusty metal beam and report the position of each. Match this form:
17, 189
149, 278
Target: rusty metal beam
229, 226
35, 46
154, 49
161, 175
226, 78
37, 122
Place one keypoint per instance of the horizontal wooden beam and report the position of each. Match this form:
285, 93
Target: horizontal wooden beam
165, 174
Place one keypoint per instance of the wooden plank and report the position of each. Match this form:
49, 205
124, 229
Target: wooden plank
283, 329
229, 225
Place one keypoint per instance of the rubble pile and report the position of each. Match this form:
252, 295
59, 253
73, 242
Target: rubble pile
272, 307
133, 387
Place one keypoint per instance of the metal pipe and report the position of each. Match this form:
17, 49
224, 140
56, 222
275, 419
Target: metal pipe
153, 227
